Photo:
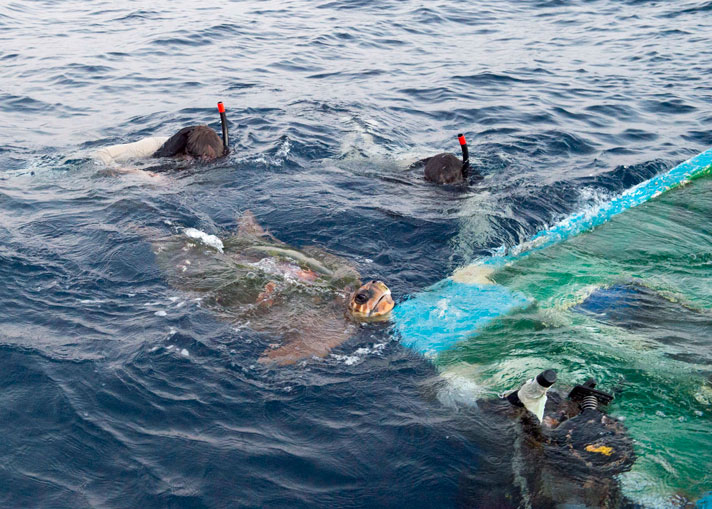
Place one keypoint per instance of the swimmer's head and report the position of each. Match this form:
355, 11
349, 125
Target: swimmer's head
444, 169
194, 142
203, 143
372, 301
447, 168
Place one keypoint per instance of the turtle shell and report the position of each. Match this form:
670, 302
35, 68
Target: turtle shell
299, 296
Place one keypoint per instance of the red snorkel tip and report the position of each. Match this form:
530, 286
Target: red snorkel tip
465, 155
223, 123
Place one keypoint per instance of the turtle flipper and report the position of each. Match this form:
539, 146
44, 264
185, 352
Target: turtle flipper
343, 274
250, 232
247, 225
313, 335
291, 353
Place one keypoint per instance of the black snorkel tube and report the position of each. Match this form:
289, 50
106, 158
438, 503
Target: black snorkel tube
223, 122
465, 155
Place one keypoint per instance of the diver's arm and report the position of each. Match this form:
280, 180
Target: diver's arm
118, 171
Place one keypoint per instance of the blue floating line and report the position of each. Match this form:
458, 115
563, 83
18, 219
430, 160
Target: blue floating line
705, 502
584, 221
447, 312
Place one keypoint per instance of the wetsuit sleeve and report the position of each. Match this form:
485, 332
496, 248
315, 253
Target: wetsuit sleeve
137, 150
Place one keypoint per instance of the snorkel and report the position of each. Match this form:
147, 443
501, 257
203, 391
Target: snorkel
223, 122
465, 154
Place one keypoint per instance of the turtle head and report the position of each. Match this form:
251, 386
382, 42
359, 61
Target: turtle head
372, 301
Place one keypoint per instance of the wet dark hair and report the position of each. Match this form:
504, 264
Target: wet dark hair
445, 169
198, 141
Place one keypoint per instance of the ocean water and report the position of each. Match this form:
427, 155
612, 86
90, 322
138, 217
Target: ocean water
627, 306
117, 390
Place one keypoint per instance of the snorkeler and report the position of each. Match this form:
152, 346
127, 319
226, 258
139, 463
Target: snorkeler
198, 142
446, 168
573, 452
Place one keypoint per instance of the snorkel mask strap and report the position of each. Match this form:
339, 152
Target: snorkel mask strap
465, 155
223, 122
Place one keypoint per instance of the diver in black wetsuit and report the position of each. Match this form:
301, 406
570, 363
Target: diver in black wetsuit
567, 451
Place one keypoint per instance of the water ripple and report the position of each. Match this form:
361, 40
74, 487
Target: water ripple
121, 391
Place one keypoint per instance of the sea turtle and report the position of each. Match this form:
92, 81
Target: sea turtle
311, 299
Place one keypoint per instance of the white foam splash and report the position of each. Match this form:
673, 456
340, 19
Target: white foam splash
589, 204
704, 395
283, 151
473, 274
459, 390
359, 355
205, 238
648, 491
359, 141
272, 266
442, 307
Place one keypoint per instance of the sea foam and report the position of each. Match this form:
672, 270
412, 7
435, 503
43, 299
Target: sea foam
205, 238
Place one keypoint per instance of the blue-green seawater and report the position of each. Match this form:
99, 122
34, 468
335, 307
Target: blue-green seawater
629, 303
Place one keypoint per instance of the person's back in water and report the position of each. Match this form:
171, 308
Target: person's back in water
199, 142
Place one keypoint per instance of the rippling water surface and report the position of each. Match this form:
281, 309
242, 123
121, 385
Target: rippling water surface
120, 391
